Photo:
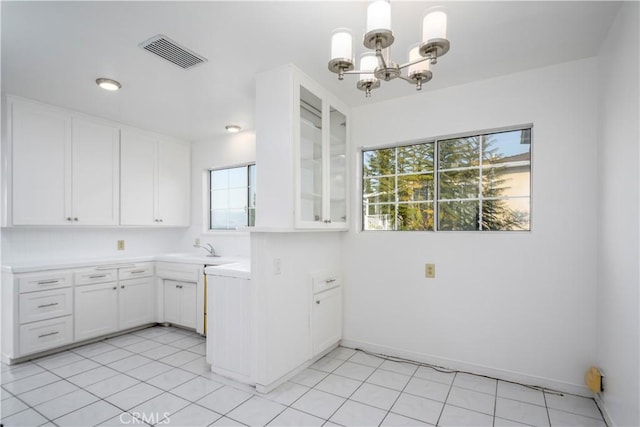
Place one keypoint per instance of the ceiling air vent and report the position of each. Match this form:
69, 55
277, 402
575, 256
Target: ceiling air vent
166, 48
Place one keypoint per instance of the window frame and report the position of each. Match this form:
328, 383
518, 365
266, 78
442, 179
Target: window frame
436, 171
208, 208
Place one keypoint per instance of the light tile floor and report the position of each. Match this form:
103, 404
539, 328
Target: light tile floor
160, 376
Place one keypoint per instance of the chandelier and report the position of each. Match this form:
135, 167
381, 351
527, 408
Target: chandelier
377, 65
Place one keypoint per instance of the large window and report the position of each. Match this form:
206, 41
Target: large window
232, 198
477, 182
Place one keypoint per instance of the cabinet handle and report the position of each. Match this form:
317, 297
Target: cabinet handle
48, 305
330, 280
179, 286
97, 276
161, 220
137, 271
68, 218
115, 287
75, 219
48, 282
121, 286
317, 301
48, 335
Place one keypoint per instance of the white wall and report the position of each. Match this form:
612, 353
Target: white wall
225, 151
49, 244
618, 305
516, 304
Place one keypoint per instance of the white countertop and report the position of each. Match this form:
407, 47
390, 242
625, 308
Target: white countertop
48, 264
240, 270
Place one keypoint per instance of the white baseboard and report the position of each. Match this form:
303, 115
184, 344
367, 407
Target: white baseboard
453, 364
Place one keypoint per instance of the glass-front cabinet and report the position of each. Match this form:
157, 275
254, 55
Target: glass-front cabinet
321, 182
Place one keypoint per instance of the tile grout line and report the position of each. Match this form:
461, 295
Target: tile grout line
495, 404
455, 374
401, 391
546, 407
70, 351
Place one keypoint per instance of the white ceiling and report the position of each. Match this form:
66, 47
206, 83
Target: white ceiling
54, 51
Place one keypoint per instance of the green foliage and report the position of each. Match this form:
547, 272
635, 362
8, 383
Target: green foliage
402, 179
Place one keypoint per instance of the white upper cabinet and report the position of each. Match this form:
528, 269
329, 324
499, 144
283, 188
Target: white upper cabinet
321, 154
95, 172
155, 180
174, 183
64, 167
41, 164
71, 169
301, 153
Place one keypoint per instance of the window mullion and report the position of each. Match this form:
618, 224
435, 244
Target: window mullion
480, 148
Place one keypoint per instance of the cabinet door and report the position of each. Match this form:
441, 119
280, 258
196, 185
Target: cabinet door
172, 301
336, 164
137, 302
95, 173
137, 178
326, 319
96, 310
310, 188
41, 156
174, 183
188, 305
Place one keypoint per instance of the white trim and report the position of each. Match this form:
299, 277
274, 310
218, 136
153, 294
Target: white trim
518, 377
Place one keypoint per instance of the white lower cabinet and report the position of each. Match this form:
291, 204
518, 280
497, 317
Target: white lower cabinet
43, 315
46, 334
180, 303
96, 310
137, 302
228, 345
326, 320
113, 305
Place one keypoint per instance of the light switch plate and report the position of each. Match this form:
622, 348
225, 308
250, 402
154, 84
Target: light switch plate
121, 245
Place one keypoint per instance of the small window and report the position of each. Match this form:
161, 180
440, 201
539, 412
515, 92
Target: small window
232, 198
478, 182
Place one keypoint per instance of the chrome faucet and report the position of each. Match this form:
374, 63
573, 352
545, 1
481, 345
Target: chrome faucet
210, 250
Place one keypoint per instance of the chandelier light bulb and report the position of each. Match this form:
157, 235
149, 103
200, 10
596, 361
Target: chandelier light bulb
379, 16
342, 44
434, 25
420, 67
368, 62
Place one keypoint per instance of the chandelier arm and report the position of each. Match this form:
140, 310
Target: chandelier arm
416, 61
407, 79
381, 60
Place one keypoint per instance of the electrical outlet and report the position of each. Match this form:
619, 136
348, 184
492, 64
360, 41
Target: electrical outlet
121, 245
430, 271
197, 242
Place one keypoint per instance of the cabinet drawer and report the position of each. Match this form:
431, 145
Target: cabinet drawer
94, 275
178, 271
44, 281
43, 305
46, 334
139, 270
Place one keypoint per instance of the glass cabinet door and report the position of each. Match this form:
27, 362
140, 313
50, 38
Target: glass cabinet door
311, 188
337, 166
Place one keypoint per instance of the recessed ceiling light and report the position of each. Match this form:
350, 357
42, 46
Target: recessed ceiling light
108, 84
232, 128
